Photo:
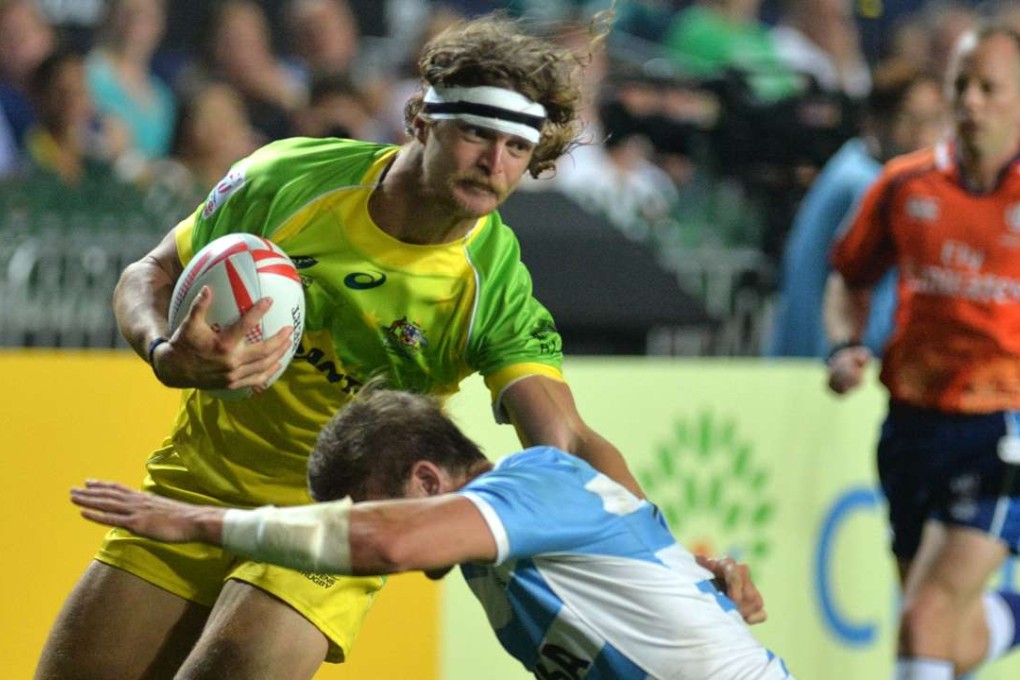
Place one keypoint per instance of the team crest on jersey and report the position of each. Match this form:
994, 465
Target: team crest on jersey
405, 337
923, 208
227, 187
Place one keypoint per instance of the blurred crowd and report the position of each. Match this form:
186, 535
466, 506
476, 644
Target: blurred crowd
709, 120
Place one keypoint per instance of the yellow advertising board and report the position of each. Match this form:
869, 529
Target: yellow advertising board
68, 416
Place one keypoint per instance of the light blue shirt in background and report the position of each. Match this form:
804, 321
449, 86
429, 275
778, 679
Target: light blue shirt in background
798, 329
151, 123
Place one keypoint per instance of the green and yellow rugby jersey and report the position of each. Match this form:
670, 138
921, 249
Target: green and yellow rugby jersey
424, 316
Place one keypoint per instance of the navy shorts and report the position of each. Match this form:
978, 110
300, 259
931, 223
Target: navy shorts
946, 466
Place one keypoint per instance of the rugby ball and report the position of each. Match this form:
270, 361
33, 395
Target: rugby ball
240, 269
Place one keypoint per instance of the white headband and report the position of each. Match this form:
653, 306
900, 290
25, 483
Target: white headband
490, 107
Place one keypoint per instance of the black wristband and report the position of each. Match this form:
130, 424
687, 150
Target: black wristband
152, 350
842, 346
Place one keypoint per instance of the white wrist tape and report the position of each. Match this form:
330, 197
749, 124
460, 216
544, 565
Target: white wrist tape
305, 537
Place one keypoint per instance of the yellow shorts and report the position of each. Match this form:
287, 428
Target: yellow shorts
336, 605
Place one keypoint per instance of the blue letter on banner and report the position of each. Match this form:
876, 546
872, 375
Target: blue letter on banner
856, 634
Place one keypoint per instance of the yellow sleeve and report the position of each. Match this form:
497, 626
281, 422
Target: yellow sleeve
508, 375
183, 233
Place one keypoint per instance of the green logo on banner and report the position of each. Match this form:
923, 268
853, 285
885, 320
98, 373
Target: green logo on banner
708, 485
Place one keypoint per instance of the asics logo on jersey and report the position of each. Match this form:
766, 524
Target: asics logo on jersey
364, 280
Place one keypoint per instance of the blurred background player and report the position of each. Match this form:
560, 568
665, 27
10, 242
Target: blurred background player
409, 272
662, 617
947, 217
905, 112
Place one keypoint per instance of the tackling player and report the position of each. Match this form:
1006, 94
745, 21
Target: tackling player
604, 591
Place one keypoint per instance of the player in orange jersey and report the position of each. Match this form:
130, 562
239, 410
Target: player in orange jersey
949, 218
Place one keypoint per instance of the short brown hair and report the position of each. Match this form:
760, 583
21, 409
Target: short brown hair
494, 51
374, 441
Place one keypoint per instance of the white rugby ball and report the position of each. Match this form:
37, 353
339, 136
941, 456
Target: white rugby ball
240, 269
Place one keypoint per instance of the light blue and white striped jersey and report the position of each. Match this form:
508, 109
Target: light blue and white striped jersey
589, 582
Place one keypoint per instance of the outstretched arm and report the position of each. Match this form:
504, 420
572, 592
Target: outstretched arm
366, 538
543, 412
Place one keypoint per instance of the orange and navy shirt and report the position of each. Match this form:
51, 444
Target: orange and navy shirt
956, 346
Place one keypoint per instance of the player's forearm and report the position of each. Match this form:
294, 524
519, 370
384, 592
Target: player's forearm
587, 444
341, 538
577, 438
426, 534
140, 303
602, 455
376, 544
306, 537
845, 311
543, 413
206, 524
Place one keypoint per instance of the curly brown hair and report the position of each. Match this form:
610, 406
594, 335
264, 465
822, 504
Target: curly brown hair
494, 51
